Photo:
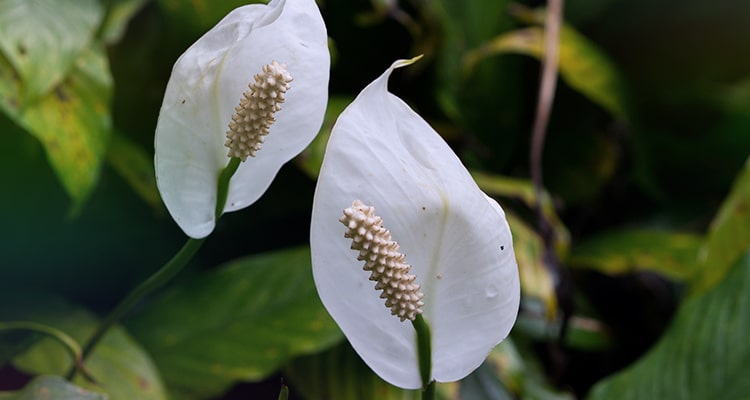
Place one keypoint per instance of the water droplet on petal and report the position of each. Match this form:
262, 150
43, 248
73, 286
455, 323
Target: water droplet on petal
491, 291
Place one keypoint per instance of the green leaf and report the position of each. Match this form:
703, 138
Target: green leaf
120, 366
728, 236
672, 254
241, 321
703, 355
42, 39
72, 121
51, 388
136, 167
582, 64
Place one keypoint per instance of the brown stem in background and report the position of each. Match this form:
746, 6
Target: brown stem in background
552, 23
563, 289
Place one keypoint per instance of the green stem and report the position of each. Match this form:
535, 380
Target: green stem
165, 273
68, 342
424, 354
222, 186
155, 281
429, 392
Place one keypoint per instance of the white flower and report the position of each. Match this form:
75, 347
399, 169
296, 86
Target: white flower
454, 237
206, 86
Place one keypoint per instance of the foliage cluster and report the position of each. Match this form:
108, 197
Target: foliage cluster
635, 284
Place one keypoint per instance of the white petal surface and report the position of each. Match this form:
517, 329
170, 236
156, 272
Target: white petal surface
455, 238
207, 82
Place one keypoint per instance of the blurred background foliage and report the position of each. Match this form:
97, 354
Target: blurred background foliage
636, 285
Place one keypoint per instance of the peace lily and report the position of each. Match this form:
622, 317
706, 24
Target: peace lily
254, 87
394, 199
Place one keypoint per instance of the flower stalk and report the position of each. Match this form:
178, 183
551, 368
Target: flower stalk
424, 354
161, 277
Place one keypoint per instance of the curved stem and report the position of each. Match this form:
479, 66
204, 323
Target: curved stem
161, 277
165, 273
424, 354
68, 342
546, 91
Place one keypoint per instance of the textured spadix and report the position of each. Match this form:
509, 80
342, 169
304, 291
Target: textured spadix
206, 85
456, 239
383, 260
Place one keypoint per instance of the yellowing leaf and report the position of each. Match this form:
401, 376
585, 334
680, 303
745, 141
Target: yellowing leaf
72, 121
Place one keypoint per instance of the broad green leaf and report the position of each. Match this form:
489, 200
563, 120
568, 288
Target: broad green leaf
703, 355
136, 167
72, 121
671, 254
120, 366
728, 235
239, 322
42, 39
582, 64
51, 388
312, 157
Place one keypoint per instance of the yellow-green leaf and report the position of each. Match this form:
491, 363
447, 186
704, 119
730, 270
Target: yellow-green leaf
72, 121
672, 254
120, 366
42, 39
728, 236
582, 64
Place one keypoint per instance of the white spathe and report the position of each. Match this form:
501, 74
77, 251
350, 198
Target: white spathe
456, 239
206, 85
